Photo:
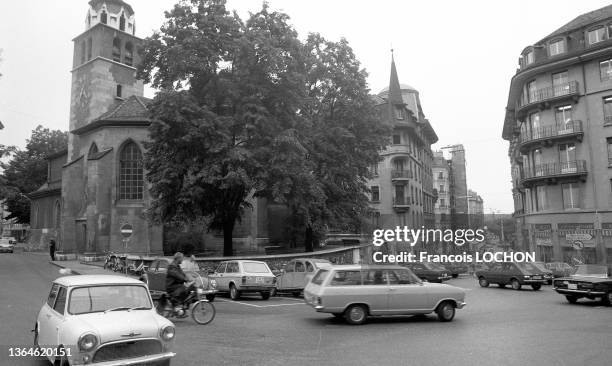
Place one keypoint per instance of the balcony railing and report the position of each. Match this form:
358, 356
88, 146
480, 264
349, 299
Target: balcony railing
548, 94
401, 174
401, 201
551, 170
560, 131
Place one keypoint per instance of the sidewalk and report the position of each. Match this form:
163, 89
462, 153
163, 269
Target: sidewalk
80, 268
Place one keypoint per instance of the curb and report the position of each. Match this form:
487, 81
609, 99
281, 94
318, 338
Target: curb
60, 266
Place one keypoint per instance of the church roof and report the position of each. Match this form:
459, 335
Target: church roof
129, 112
395, 93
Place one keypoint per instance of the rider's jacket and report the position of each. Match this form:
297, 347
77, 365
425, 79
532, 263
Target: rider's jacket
175, 277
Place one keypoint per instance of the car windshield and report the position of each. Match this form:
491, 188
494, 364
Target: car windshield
320, 263
437, 266
592, 270
526, 266
108, 297
540, 266
255, 267
320, 276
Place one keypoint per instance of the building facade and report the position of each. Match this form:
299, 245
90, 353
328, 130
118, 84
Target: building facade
559, 126
402, 189
443, 184
475, 210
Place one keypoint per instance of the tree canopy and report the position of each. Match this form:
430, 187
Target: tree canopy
248, 110
26, 170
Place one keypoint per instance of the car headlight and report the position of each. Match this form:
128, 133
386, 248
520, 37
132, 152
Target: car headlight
167, 333
527, 276
87, 342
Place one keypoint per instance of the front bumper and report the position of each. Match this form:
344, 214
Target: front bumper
6, 250
530, 282
254, 288
136, 360
587, 293
461, 304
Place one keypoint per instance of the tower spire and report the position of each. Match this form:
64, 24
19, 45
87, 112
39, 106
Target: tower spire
395, 92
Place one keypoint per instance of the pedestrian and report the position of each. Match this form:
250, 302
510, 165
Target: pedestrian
52, 249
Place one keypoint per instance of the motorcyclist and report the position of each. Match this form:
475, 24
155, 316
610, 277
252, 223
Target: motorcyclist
177, 283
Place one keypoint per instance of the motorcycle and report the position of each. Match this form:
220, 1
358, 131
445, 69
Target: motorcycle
202, 311
112, 262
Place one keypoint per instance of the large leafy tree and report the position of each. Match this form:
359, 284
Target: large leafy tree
230, 93
343, 135
26, 171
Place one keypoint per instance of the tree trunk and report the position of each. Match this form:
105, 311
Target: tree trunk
308, 239
228, 245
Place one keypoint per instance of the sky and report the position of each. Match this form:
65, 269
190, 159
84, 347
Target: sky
459, 55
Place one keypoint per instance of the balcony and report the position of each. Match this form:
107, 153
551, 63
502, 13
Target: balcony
547, 135
551, 172
541, 98
401, 204
400, 175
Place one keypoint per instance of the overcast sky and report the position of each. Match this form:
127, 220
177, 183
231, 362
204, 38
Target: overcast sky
459, 55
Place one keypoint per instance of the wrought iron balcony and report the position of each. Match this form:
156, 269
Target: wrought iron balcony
553, 171
401, 203
546, 135
400, 175
547, 95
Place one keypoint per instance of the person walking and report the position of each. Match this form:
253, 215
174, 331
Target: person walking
52, 249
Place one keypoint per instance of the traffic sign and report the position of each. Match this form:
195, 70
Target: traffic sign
577, 244
578, 237
126, 230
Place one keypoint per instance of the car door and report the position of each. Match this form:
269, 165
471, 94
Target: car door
375, 291
299, 276
286, 277
52, 318
406, 293
220, 277
232, 274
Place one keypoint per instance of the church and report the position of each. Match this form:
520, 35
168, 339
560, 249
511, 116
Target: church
98, 183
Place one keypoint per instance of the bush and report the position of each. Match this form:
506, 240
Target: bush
186, 242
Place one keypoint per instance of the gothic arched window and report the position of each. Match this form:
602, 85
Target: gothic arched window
93, 150
129, 53
103, 19
131, 179
58, 214
117, 49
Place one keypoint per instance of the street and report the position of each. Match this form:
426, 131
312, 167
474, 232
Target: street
497, 327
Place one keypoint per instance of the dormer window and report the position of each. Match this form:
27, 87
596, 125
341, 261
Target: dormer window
399, 112
597, 35
103, 17
529, 57
556, 47
122, 22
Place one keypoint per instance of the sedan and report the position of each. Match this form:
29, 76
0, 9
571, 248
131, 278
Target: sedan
513, 274
296, 274
432, 272
104, 319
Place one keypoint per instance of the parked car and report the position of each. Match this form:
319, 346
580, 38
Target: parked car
432, 272
547, 273
560, 269
243, 276
456, 268
297, 272
102, 319
355, 292
514, 274
590, 280
6, 245
155, 277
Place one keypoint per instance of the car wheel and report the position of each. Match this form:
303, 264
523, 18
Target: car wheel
210, 297
536, 286
571, 299
607, 299
234, 293
516, 285
356, 314
483, 282
265, 295
501, 285
446, 311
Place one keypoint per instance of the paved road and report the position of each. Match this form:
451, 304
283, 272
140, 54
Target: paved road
498, 327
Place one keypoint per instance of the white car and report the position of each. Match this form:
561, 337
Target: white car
297, 273
244, 276
7, 245
102, 320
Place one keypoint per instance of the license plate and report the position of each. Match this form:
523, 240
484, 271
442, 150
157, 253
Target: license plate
572, 286
537, 277
259, 279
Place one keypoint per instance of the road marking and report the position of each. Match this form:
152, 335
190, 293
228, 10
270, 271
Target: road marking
258, 306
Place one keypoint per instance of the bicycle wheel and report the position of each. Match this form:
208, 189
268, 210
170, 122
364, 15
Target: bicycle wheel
203, 312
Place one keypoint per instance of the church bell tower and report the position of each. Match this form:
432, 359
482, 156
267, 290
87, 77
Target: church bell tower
104, 65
